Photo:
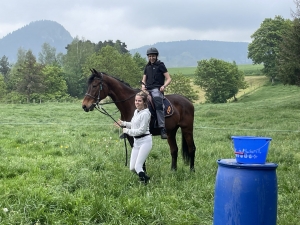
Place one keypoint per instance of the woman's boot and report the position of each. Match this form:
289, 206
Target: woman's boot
143, 177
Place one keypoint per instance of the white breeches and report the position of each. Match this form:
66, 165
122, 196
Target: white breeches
139, 153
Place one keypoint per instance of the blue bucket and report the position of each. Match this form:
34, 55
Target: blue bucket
250, 149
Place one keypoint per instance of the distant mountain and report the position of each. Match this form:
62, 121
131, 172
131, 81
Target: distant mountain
173, 54
33, 36
187, 53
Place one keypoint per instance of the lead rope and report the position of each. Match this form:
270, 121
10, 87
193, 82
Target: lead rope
124, 136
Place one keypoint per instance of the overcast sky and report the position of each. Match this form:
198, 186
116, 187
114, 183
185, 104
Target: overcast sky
141, 22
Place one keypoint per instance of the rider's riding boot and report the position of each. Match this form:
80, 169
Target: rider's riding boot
163, 133
143, 177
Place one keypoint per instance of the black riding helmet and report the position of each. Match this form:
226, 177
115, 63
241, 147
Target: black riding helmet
152, 50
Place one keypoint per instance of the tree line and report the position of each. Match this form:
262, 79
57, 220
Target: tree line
63, 77
52, 76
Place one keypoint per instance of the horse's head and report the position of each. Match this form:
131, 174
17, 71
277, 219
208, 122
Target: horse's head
96, 91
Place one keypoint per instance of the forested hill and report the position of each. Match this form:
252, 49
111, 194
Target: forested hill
173, 54
33, 36
187, 53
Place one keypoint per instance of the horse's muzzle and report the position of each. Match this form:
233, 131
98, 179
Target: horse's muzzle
87, 109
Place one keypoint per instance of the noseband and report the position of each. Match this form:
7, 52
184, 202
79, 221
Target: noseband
100, 89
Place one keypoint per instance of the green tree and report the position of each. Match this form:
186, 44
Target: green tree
4, 68
182, 85
60, 59
121, 47
54, 82
110, 61
2, 87
21, 56
140, 61
77, 53
13, 78
289, 56
47, 56
265, 45
30, 77
219, 79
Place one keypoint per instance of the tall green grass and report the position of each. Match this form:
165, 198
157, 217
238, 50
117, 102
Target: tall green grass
60, 165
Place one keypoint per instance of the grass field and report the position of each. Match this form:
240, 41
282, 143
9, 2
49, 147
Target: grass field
188, 71
255, 80
60, 165
248, 69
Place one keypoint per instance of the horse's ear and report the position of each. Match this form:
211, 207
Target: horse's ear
95, 71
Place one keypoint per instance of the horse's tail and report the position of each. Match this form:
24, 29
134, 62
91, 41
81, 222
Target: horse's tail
185, 150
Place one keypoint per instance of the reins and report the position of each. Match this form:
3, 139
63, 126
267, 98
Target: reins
103, 111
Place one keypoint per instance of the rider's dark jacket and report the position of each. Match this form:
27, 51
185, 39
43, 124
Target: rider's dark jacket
155, 74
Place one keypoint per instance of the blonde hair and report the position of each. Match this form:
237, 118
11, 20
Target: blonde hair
144, 95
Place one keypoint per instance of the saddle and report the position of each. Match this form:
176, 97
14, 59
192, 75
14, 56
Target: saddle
167, 106
168, 109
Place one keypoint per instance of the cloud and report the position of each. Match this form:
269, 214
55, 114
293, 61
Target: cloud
139, 23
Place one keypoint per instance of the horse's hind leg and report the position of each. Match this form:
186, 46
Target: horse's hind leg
173, 148
188, 146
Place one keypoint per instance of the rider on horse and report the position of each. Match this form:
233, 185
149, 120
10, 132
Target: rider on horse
156, 78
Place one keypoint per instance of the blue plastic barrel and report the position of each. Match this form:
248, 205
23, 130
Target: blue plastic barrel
245, 194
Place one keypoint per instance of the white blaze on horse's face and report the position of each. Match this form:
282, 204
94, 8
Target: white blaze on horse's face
139, 104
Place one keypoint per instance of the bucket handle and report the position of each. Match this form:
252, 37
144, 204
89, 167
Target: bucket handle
242, 153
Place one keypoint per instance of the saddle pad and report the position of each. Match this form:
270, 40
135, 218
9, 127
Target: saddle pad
168, 108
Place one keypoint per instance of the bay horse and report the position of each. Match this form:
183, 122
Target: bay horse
101, 85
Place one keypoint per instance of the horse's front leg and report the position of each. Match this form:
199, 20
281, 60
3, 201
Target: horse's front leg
173, 149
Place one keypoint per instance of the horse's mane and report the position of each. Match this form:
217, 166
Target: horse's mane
92, 77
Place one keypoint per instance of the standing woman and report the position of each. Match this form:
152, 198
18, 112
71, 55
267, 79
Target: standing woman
138, 127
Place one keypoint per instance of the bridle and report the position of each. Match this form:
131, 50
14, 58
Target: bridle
103, 111
100, 89
97, 103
